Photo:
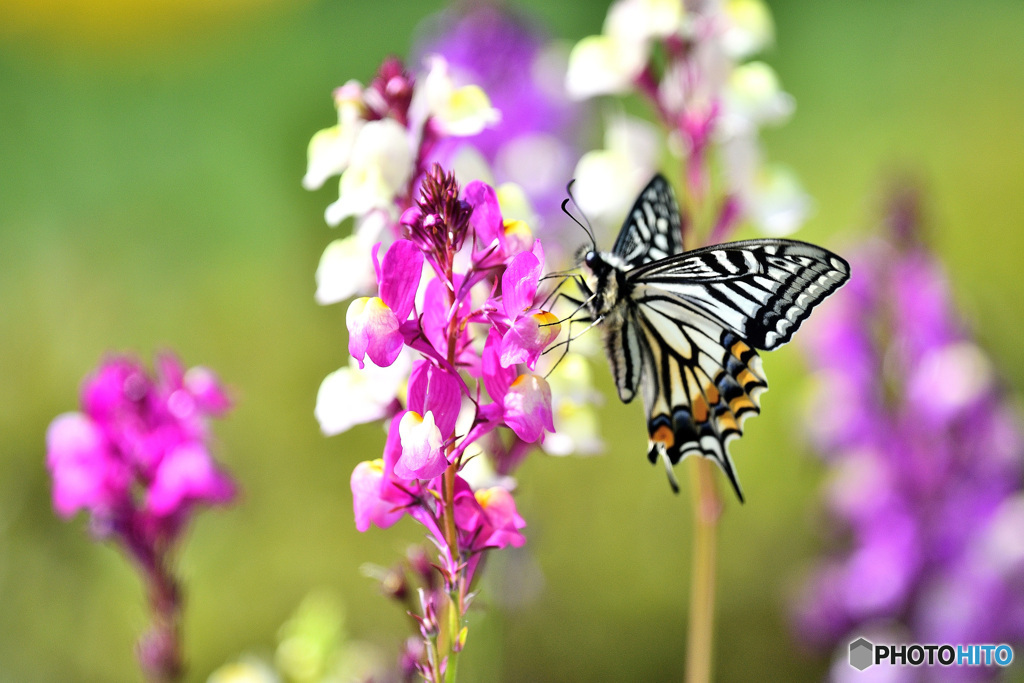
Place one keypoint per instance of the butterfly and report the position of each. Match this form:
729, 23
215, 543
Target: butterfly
683, 328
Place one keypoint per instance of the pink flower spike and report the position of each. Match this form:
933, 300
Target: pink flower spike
528, 408
400, 277
373, 330
519, 284
527, 338
434, 390
85, 473
422, 454
187, 476
502, 516
368, 482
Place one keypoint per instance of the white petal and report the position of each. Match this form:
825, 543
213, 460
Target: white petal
380, 165
350, 396
604, 65
460, 112
642, 20
749, 28
345, 270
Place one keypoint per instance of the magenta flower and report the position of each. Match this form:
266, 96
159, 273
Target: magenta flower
139, 433
374, 323
137, 460
422, 447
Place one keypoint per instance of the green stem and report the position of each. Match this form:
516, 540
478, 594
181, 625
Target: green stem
706, 513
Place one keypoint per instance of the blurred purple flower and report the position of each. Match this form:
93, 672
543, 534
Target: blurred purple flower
926, 458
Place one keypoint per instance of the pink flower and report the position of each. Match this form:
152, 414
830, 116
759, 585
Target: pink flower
527, 408
422, 447
487, 518
136, 457
502, 517
436, 391
378, 496
526, 340
524, 401
86, 475
185, 476
374, 323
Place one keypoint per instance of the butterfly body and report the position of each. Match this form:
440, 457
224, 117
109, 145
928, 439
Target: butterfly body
682, 328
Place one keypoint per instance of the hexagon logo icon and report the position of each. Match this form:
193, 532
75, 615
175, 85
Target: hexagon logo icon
861, 651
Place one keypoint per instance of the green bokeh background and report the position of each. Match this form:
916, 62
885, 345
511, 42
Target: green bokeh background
150, 199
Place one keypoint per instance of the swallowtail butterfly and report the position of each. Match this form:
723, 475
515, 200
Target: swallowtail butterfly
683, 328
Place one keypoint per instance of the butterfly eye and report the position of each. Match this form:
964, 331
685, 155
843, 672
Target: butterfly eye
591, 259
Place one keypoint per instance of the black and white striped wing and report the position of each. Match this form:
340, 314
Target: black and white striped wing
651, 231
698, 318
760, 289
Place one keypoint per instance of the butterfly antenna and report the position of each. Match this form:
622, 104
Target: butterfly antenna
586, 228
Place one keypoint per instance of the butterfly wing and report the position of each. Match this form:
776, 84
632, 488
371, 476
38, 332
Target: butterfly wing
651, 230
760, 289
699, 316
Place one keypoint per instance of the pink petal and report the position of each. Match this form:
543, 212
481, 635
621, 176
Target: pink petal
81, 465
434, 390
422, 447
519, 285
186, 476
497, 379
527, 338
486, 218
207, 390
367, 482
528, 408
503, 518
373, 331
400, 277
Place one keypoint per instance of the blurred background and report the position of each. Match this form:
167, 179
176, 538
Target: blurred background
150, 164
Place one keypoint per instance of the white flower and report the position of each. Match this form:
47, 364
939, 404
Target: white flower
610, 63
749, 29
346, 266
753, 98
350, 396
771, 197
459, 112
330, 149
603, 65
608, 180
380, 164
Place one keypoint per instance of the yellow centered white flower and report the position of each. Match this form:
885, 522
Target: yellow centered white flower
380, 165
460, 112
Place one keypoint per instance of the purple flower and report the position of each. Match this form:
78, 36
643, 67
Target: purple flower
926, 460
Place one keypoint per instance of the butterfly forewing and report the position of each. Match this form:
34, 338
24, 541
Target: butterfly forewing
651, 230
760, 289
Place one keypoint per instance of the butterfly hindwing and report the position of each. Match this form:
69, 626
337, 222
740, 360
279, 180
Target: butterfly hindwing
700, 384
651, 230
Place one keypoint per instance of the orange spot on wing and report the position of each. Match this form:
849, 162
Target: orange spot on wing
739, 348
727, 422
745, 377
700, 409
740, 403
711, 391
664, 436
